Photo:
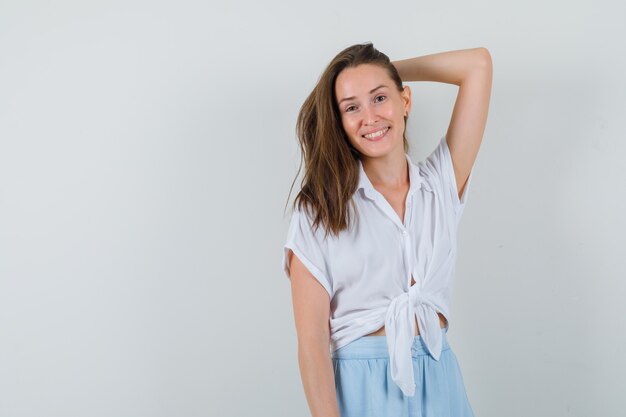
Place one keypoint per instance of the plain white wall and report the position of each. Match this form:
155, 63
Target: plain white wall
146, 152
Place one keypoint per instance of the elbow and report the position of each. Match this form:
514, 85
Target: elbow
314, 343
317, 354
479, 66
483, 59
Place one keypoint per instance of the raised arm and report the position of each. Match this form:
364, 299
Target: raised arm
471, 70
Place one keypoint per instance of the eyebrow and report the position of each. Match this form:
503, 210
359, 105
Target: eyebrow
353, 97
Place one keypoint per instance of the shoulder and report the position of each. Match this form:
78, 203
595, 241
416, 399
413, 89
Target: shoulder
438, 172
302, 225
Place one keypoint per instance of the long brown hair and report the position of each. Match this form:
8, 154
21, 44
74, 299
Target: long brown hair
331, 173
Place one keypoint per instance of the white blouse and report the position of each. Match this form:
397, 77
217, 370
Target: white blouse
367, 269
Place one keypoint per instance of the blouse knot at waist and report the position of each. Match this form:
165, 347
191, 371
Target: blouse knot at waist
400, 330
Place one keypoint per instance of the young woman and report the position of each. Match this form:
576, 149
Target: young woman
371, 246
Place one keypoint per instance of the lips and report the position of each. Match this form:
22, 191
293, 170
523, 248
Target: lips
377, 134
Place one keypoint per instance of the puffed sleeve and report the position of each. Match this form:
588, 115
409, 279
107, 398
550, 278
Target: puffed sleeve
308, 247
440, 172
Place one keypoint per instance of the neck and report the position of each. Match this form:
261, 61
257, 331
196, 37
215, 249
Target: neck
389, 172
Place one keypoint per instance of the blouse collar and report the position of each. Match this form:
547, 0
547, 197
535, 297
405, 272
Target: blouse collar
415, 178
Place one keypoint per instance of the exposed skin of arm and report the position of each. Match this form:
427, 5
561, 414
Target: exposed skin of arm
311, 307
471, 70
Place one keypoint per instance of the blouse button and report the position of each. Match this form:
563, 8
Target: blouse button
404, 233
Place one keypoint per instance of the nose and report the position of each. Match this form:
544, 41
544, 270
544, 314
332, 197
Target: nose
369, 115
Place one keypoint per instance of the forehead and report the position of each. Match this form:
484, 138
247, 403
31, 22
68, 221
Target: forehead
359, 80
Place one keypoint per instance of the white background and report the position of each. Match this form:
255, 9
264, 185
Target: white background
147, 150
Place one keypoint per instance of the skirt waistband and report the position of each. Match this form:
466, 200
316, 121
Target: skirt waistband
375, 347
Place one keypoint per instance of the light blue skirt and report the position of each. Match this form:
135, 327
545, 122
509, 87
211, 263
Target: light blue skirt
365, 389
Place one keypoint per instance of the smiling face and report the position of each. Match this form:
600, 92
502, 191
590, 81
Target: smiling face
372, 109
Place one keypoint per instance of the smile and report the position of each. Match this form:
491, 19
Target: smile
376, 135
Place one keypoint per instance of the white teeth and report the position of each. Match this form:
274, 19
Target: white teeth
376, 134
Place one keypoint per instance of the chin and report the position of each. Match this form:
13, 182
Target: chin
376, 150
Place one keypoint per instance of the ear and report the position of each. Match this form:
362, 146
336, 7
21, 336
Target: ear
406, 98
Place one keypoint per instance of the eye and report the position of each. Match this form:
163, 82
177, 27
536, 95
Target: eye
381, 97
348, 109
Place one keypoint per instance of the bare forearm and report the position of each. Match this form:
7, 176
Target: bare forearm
450, 67
318, 379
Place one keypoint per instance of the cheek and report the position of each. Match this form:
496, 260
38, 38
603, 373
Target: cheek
393, 111
349, 126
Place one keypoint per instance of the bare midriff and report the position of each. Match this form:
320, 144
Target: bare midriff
442, 324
